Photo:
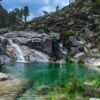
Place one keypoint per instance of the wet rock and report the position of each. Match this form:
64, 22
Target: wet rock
3, 76
38, 41
34, 55
3, 31
56, 50
4, 59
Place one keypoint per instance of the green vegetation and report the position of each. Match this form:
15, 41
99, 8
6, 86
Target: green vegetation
76, 89
14, 18
69, 58
26, 13
3, 17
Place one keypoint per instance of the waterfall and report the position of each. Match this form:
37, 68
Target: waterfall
36, 56
62, 50
19, 53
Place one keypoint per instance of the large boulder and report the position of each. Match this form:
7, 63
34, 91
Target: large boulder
3, 76
3, 31
88, 33
94, 62
74, 41
38, 41
3, 41
4, 59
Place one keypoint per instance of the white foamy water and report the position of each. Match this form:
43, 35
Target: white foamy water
19, 53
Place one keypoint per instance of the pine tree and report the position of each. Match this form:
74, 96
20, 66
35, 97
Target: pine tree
26, 13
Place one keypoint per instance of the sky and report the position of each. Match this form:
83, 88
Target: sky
36, 7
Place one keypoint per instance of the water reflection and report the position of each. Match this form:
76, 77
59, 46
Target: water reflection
48, 73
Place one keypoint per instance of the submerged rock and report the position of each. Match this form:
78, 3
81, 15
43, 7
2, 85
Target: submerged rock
3, 76
11, 87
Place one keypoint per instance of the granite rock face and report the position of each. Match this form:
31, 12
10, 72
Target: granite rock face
34, 40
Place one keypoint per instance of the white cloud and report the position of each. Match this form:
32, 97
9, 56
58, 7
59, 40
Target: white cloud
61, 3
46, 8
36, 6
51, 6
10, 9
30, 17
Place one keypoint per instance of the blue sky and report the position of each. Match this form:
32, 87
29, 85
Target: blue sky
36, 7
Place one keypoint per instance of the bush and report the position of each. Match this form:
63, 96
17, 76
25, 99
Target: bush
69, 58
74, 86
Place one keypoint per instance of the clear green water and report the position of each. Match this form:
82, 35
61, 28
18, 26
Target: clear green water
48, 75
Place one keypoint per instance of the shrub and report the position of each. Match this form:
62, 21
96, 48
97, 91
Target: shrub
69, 58
74, 86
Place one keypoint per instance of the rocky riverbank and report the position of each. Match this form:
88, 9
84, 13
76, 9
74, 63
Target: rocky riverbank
10, 86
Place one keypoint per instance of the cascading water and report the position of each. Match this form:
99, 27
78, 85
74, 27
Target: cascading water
35, 56
19, 53
63, 52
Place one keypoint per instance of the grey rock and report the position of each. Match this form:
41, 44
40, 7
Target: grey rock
4, 59
88, 33
86, 10
38, 41
79, 55
3, 76
76, 42
3, 31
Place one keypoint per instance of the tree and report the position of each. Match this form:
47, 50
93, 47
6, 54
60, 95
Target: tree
45, 12
19, 13
57, 8
12, 18
25, 13
3, 17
